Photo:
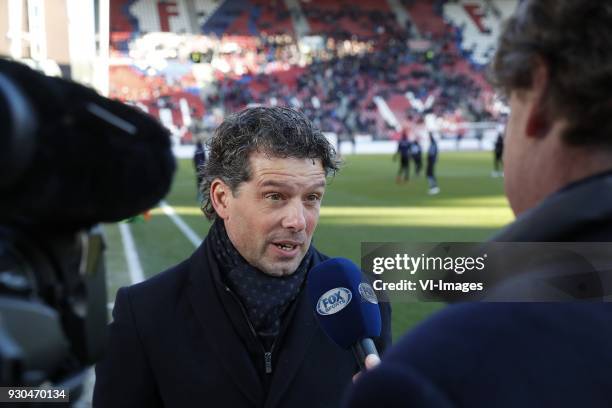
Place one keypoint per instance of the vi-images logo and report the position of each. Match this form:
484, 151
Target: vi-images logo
333, 301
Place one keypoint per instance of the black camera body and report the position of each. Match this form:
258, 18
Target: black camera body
69, 160
53, 312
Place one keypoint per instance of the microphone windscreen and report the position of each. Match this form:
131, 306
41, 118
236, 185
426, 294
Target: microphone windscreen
94, 159
344, 302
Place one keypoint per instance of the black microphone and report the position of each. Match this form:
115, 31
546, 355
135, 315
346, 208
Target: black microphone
346, 306
70, 158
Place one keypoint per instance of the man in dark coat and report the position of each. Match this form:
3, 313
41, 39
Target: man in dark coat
231, 326
558, 179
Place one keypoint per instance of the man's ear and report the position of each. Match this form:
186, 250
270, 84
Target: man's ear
219, 196
538, 120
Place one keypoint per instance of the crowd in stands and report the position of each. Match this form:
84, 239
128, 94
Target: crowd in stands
362, 53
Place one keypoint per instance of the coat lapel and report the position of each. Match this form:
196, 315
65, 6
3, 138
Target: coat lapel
217, 328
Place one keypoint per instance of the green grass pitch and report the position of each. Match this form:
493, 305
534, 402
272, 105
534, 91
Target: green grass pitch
362, 203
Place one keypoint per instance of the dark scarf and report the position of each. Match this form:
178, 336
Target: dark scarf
265, 298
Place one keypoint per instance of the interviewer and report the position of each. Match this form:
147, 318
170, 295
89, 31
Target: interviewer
555, 64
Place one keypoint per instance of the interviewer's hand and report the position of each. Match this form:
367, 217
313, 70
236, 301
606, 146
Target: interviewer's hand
371, 361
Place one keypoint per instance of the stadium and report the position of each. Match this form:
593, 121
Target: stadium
372, 75
361, 71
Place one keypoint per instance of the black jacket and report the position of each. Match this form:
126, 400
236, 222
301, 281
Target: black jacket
172, 343
509, 355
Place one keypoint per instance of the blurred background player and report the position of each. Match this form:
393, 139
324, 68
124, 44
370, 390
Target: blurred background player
432, 157
417, 155
403, 150
199, 160
200, 134
498, 151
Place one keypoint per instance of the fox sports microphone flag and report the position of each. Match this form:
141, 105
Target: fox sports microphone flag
344, 302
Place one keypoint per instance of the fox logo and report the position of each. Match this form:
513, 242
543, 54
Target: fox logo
333, 301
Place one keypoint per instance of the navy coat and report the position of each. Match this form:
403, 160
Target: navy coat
508, 355
173, 344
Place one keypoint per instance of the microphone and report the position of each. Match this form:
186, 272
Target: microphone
346, 306
71, 158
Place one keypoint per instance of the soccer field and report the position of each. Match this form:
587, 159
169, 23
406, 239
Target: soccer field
362, 203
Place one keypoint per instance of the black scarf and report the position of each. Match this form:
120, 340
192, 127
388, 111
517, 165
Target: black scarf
265, 298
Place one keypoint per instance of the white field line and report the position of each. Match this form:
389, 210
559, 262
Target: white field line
131, 255
181, 225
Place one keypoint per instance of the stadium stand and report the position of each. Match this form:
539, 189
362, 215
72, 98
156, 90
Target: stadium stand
414, 56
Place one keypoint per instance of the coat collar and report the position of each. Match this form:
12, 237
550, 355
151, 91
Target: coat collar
584, 203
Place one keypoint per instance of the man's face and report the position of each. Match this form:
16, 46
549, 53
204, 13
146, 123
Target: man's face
270, 219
